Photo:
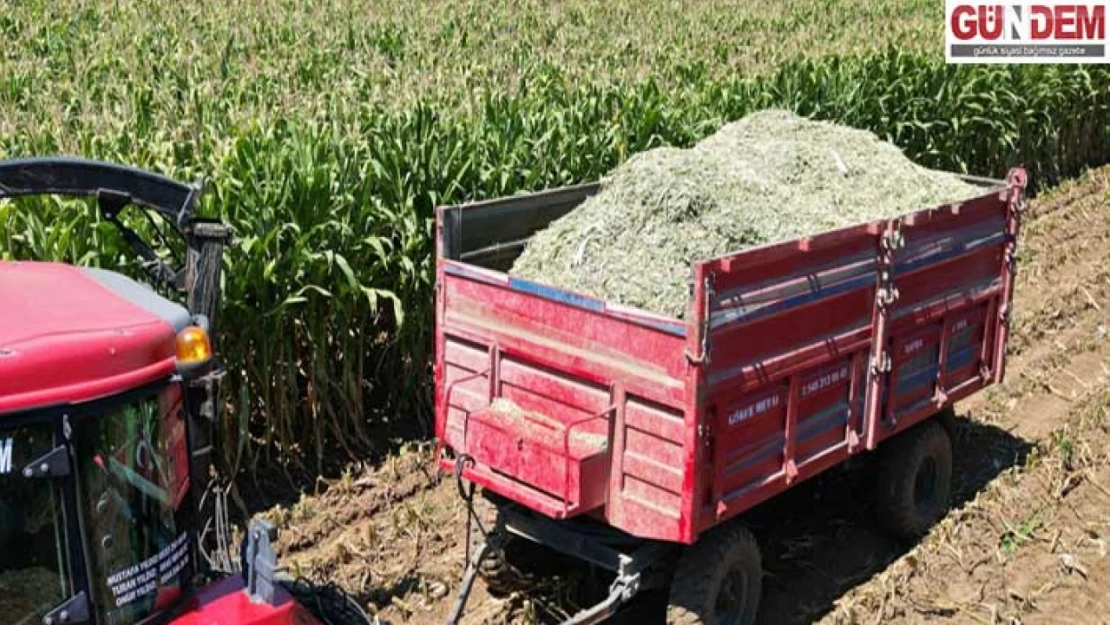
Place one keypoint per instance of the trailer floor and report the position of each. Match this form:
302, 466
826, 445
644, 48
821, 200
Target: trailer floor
1026, 542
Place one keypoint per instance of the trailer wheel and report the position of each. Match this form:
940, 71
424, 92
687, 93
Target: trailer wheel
915, 480
719, 580
947, 418
505, 568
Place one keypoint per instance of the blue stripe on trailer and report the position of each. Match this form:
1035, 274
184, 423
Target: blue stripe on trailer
962, 358
770, 448
917, 380
558, 295
457, 270
733, 315
670, 328
964, 247
823, 422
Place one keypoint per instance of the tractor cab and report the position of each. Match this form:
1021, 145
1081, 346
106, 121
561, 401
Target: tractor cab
105, 390
95, 512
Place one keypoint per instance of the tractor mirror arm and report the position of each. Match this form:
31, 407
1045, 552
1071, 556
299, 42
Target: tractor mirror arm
81, 177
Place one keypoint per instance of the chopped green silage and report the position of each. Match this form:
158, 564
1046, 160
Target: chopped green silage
771, 176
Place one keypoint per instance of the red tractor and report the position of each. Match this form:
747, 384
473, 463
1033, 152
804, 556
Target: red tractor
107, 394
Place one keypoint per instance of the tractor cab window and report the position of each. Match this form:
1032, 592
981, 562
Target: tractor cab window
33, 570
133, 471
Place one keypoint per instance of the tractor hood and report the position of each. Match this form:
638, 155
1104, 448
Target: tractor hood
71, 334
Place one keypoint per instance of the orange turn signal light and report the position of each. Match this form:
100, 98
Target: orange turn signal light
193, 346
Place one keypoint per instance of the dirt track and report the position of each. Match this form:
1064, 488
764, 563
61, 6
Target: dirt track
1026, 541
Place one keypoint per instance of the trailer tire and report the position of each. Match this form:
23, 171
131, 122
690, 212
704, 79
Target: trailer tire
718, 581
915, 480
503, 569
947, 418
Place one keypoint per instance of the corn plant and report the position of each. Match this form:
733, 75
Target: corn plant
328, 131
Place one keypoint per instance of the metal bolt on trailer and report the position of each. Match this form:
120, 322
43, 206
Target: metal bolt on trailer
108, 393
636, 442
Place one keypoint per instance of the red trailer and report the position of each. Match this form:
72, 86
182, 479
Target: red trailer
633, 440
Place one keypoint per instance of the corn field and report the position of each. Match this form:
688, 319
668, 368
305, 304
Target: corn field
327, 132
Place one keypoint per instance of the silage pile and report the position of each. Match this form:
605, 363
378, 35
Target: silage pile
771, 176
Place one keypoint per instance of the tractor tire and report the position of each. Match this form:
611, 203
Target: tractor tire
915, 480
718, 581
506, 567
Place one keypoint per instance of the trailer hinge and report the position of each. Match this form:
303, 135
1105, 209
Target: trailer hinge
940, 398
887, 296
75, 610
703, 358
985, 372
54, 463
882, 364
791, 470
887, 293
853, 441
693, 360
893, 240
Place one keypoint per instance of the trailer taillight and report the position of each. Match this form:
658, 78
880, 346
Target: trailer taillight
194, 349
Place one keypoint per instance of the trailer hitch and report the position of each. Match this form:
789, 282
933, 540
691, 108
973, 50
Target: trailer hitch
621, 591
606, 552
490, 545
467, 586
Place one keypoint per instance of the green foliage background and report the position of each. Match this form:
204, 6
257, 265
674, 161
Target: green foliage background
328, 131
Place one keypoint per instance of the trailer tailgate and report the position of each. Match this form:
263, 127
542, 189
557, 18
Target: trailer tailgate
599, 395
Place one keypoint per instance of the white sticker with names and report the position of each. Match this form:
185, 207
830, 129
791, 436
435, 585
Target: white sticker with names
144, 578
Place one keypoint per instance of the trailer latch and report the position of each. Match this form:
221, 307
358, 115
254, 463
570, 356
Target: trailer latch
888, 296
883, 364
894, 240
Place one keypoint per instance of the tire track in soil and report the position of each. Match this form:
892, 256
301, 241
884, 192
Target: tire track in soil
393, 536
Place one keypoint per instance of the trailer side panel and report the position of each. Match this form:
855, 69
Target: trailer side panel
823, 347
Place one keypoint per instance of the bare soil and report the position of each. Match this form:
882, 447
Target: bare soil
1026, 540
